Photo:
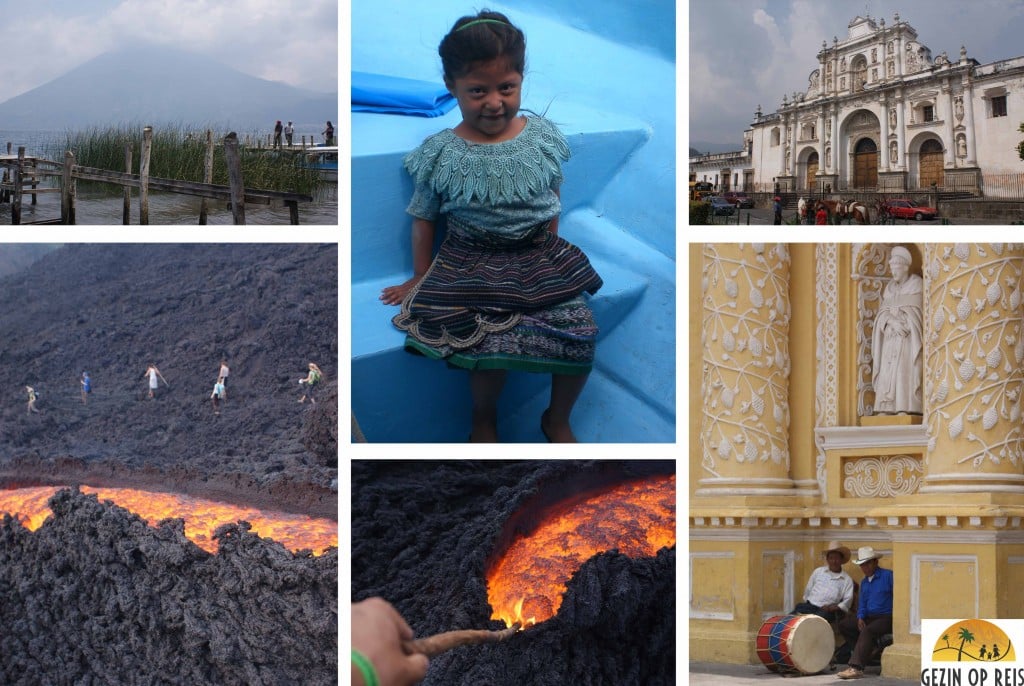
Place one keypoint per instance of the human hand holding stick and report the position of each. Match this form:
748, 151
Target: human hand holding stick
440, 643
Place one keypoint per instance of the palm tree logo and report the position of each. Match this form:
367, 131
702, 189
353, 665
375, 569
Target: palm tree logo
965, 637
974, 640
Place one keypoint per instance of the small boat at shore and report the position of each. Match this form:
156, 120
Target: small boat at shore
324, 159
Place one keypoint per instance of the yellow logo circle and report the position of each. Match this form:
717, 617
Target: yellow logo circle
973, 640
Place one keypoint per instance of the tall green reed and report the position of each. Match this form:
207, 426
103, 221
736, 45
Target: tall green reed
179, 152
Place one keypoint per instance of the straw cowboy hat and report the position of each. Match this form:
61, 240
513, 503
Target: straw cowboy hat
838, 547
865, 554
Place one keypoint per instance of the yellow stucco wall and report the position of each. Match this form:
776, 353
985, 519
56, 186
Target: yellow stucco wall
952, 554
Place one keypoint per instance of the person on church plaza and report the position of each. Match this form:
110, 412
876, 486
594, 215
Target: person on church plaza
897, 341
829, 590
874, 613
879, 115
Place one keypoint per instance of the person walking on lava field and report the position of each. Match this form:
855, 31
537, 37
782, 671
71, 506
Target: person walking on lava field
31, 400
223, 376
312, 379
152, 372
86, 387
218, 395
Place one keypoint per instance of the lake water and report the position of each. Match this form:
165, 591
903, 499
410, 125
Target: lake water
164, 208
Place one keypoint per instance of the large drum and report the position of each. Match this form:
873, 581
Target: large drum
796, 643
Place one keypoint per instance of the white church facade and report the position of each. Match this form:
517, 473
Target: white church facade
881, 113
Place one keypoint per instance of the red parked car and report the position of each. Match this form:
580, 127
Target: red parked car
901, 208
739, 199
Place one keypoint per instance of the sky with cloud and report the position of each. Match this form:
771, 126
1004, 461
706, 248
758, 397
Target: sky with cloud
293, 41
748, 52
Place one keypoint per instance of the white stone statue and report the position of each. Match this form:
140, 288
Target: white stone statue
896, 343
961, 146
892, 152
959, 104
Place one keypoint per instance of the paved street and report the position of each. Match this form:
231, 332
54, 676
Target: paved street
713, 674
757, 216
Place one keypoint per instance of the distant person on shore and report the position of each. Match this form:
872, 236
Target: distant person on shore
277, 134
31, 400
218, 395
86, 387
153, 373
329, 133
312, 379
289, 131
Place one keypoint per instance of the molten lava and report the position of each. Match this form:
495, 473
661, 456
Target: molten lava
202, 517
637, 518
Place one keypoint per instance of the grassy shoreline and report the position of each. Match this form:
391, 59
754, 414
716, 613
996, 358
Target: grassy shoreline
178, 152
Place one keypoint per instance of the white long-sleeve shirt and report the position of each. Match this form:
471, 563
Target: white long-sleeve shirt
829, 588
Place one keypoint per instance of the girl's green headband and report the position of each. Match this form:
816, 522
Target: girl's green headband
481, 21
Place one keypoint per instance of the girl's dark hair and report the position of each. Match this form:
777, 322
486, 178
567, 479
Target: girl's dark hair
482, 42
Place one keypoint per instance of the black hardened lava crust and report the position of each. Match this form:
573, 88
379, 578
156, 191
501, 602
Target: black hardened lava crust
422, 533
96, 596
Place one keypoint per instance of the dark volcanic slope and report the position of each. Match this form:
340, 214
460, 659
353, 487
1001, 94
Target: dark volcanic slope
113, 309
421, 536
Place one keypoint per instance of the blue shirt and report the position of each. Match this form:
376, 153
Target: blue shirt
506, 187
876, 594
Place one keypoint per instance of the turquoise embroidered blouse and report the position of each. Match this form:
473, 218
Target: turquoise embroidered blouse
506, 187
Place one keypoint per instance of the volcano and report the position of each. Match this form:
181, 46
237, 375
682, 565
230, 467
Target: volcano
425, 534
97, 593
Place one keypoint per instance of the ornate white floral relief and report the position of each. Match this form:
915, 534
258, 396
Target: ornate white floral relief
870, 275
746, 365
975, 350
826, 380
885, 476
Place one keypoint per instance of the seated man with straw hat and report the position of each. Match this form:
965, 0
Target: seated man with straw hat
874, 612
829, 590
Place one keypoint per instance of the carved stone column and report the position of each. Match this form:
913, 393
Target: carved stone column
883, 138
745, 375
901, 134
946, 95
968, 93
974, 368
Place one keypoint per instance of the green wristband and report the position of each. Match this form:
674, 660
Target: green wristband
366, 667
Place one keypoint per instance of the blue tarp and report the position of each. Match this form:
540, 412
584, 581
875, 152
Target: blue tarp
396, 95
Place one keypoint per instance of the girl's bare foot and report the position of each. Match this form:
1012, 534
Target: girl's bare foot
555, 431
484, 433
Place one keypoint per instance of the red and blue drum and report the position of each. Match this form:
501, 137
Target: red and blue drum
795, 643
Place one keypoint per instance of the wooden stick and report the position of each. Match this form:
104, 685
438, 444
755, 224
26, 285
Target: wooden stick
440, 643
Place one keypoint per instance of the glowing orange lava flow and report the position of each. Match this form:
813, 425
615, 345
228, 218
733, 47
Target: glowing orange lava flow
637, 518
202, 517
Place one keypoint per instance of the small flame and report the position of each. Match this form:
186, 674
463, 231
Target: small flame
516, 616
202, 517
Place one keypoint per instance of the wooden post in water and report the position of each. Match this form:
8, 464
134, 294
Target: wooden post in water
35, 183
67, 190
207, 175
5, 194
126, 211
18, 171
235, 178
147, 148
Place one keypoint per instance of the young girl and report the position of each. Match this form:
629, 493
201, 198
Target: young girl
505, 291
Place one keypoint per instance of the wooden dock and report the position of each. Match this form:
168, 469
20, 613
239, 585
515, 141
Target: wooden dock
23, 174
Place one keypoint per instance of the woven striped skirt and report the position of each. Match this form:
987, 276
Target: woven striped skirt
488, 302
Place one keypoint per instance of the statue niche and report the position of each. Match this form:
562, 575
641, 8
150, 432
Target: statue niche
890, 333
